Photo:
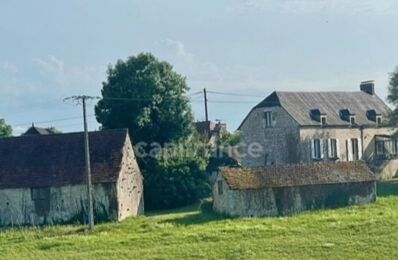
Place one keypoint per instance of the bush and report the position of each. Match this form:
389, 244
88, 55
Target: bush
176, 177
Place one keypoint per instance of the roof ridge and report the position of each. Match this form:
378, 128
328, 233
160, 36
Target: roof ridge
64, 134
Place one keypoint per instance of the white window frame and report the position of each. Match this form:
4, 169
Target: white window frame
333, 153
350, 149
317, 151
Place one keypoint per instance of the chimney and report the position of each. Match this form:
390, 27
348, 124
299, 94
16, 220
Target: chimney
368, 87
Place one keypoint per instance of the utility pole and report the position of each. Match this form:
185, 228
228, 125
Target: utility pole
205, 99
90, 207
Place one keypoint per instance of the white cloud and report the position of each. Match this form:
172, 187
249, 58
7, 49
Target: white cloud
69, 79
380, 7
52, 66
186, 62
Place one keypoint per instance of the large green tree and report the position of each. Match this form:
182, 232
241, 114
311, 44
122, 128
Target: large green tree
149, 98
393, 95
5, 130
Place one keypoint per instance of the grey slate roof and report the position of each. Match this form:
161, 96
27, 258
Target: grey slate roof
297, 175
38, 131
299, 105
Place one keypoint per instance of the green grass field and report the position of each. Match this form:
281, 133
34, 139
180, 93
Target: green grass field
369, 231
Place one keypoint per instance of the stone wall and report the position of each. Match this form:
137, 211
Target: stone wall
130, 190
384, 170
279, 143
289, 200
287, 143
56, 205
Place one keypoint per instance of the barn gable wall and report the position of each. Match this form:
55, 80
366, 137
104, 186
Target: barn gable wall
129, 185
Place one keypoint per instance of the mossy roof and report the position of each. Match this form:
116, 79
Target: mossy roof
296, 175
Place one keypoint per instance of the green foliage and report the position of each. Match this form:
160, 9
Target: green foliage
146, 96
229, 138
359, 232
54, 130
5, 130
177, 177
393, 95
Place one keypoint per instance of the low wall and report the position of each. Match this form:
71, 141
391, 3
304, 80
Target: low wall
56, 205
289, 200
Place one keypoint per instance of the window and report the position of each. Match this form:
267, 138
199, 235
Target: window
355, 151
323, 120
378, 120
316, 149
332, 148
386, 148
220, 190
268, 119
352, 120
380, 151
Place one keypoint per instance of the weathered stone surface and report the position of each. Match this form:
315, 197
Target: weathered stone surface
66, 204
114, 198
286, 142
289, 200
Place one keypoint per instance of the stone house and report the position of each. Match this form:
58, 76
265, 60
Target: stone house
303, 127
288, 189
43, 180
34, 130
211, 132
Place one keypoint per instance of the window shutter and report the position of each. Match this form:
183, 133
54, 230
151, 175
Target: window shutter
312, 149
337, 148
321, 141
330, 155
349, 150
359, 149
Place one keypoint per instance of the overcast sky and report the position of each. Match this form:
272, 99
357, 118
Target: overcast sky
52, 49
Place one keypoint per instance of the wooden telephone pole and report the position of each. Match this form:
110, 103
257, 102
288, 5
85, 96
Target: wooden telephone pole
205, 99
90, 208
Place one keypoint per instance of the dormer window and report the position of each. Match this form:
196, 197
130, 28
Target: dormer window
378, 120
372, 115
318, 116
346, 115
352, 120
323, 120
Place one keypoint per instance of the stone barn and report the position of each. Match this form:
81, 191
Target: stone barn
43, 180
284, 190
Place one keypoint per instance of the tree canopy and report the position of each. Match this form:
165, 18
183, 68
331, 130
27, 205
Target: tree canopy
5, 130
393, 94
148, 97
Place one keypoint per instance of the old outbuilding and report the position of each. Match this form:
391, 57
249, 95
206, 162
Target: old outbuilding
288, 189
43, 181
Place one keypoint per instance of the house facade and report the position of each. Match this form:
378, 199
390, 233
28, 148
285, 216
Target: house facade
303, 127
288, 189
43, 180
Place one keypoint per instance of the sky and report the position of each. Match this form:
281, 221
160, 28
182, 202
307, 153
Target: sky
52, 49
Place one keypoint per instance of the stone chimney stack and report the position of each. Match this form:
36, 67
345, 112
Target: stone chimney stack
368, 87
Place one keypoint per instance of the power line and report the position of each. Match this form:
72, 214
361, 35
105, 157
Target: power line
53, 120
233, 101
231, 94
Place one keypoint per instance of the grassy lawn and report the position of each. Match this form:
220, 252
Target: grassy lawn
369, 231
